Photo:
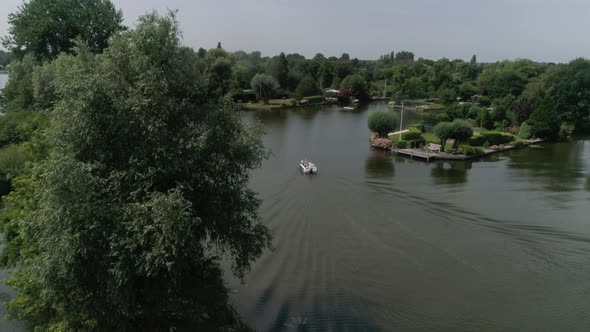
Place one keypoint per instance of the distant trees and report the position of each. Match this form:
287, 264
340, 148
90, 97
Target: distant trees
404, 56
220, 67
265, 86
383, 122
307, 87
47, 28
5, 58
278, 67
357, 84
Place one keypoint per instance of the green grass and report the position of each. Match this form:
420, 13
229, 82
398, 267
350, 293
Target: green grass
431, 138
394, 138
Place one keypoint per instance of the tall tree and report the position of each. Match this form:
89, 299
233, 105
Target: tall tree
47, 28
279, 69
130, 236
265, 86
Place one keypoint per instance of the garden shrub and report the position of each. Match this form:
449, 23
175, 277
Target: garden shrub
468, 150
401, 144
491, 138
476, 140
497, 138
314, 99
525, 131
383, 122
412, 135
381, 143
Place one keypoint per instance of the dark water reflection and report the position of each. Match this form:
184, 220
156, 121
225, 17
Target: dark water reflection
450, 172
380, 164
378, 242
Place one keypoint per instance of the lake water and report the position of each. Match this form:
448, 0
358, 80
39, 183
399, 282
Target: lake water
3, 80
378, 242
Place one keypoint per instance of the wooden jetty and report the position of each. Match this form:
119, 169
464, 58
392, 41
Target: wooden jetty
420, 154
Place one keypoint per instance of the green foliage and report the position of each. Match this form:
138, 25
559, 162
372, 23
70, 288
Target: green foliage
18, 127
468, 150
458, 111
443, 130
278, 67
119, 217
484, 101
401, 144
220, 67
314, 99
357, 84
458, 130
46, 28
525, 131
5, 58
383, 122
17, 95
476, 140
501, 125
518, 144
461, 131
474, 112
307, 87
545, 122
12, 161
508, 77
491, 138
265, 86
412, 136
566, 87
485, 119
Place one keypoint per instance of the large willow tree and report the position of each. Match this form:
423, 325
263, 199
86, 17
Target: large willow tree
143, 192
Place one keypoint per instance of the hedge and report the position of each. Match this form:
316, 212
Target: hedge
412, 135
401, 144
314, 99
492, 137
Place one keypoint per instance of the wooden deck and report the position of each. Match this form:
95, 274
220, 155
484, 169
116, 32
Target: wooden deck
427, 156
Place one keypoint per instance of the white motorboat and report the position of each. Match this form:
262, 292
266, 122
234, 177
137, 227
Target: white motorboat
348, 108
308, 167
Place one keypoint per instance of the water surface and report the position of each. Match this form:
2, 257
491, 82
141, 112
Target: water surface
377, 242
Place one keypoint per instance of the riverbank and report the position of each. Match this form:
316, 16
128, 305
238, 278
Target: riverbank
425, 155
268, 107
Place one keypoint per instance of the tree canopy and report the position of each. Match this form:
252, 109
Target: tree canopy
47, 28
383, 122
265, 86
126, 224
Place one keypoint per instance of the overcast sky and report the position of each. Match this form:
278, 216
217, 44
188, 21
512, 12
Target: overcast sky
542, 30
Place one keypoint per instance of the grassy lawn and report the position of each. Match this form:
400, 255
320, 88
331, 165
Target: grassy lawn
431, 138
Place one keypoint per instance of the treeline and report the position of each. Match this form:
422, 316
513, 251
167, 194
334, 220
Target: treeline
5, 58
502, 95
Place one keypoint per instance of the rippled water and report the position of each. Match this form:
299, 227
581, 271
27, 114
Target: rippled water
377, 242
